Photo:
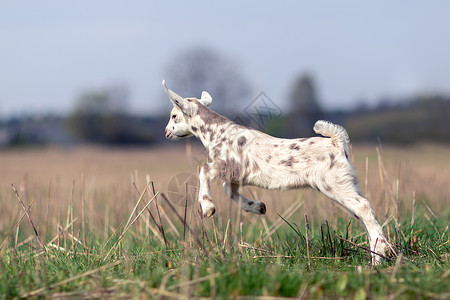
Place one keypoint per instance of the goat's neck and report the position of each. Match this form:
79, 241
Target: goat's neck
208, 134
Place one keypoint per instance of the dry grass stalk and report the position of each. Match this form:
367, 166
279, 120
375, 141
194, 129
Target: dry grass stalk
129, 224
17, 237
181, 219
185, 211
136, 206
361, 247
215, 230
15, 227
83, 200
24, 242
112, 235
29, 218
266, 233
245, 245
386, 185
445, 231
272, 256
413, 210
164, 293
160, 226
48, 207
226, 235
168, 220
366, 180
432, 224
64, 230
429, 209
307, 240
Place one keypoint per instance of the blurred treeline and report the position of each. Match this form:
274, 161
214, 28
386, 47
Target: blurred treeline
421, 118
102, 116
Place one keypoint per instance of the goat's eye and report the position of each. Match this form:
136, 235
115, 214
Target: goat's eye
174, 116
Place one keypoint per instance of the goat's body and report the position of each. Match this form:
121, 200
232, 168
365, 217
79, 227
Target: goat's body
244, 156
274, 163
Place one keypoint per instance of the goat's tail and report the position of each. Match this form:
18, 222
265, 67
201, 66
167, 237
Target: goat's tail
336, 132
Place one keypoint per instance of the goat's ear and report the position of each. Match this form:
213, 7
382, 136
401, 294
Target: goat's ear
206, 99
185, 106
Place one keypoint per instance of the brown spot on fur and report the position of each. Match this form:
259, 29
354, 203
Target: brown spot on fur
321, 158
229, 170
268, 158
275, 145
294, 147
206, 168
206, 197
312, 142
211, 135
332, 160
194, 129
250, 203
203, 129
247, 163
241, 141
327, 188
289, 162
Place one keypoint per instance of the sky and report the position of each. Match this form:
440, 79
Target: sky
358, 51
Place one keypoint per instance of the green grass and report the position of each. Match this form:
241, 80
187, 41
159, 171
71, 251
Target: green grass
143, 265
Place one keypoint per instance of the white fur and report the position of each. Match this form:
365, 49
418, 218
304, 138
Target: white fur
244, 156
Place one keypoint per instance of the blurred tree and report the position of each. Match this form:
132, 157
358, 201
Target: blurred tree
305, 109
202, 69
101, 117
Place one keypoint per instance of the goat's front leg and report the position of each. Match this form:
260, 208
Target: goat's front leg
248, 205
207, 173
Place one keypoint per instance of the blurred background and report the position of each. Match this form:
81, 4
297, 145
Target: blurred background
90, 72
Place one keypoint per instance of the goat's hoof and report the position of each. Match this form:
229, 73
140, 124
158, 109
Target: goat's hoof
208, 208
262, 209
210, 212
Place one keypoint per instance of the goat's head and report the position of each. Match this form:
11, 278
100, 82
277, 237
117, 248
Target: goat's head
184, 109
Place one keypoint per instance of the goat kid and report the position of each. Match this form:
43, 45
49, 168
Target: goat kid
244, 156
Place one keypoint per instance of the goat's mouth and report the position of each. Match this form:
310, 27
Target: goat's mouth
172, 136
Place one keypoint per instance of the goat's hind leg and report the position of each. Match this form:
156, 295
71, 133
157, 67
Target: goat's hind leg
248, 205
360, 208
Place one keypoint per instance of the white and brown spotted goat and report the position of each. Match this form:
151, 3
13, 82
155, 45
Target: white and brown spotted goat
242, 155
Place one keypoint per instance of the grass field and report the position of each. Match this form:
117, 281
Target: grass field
84, 223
